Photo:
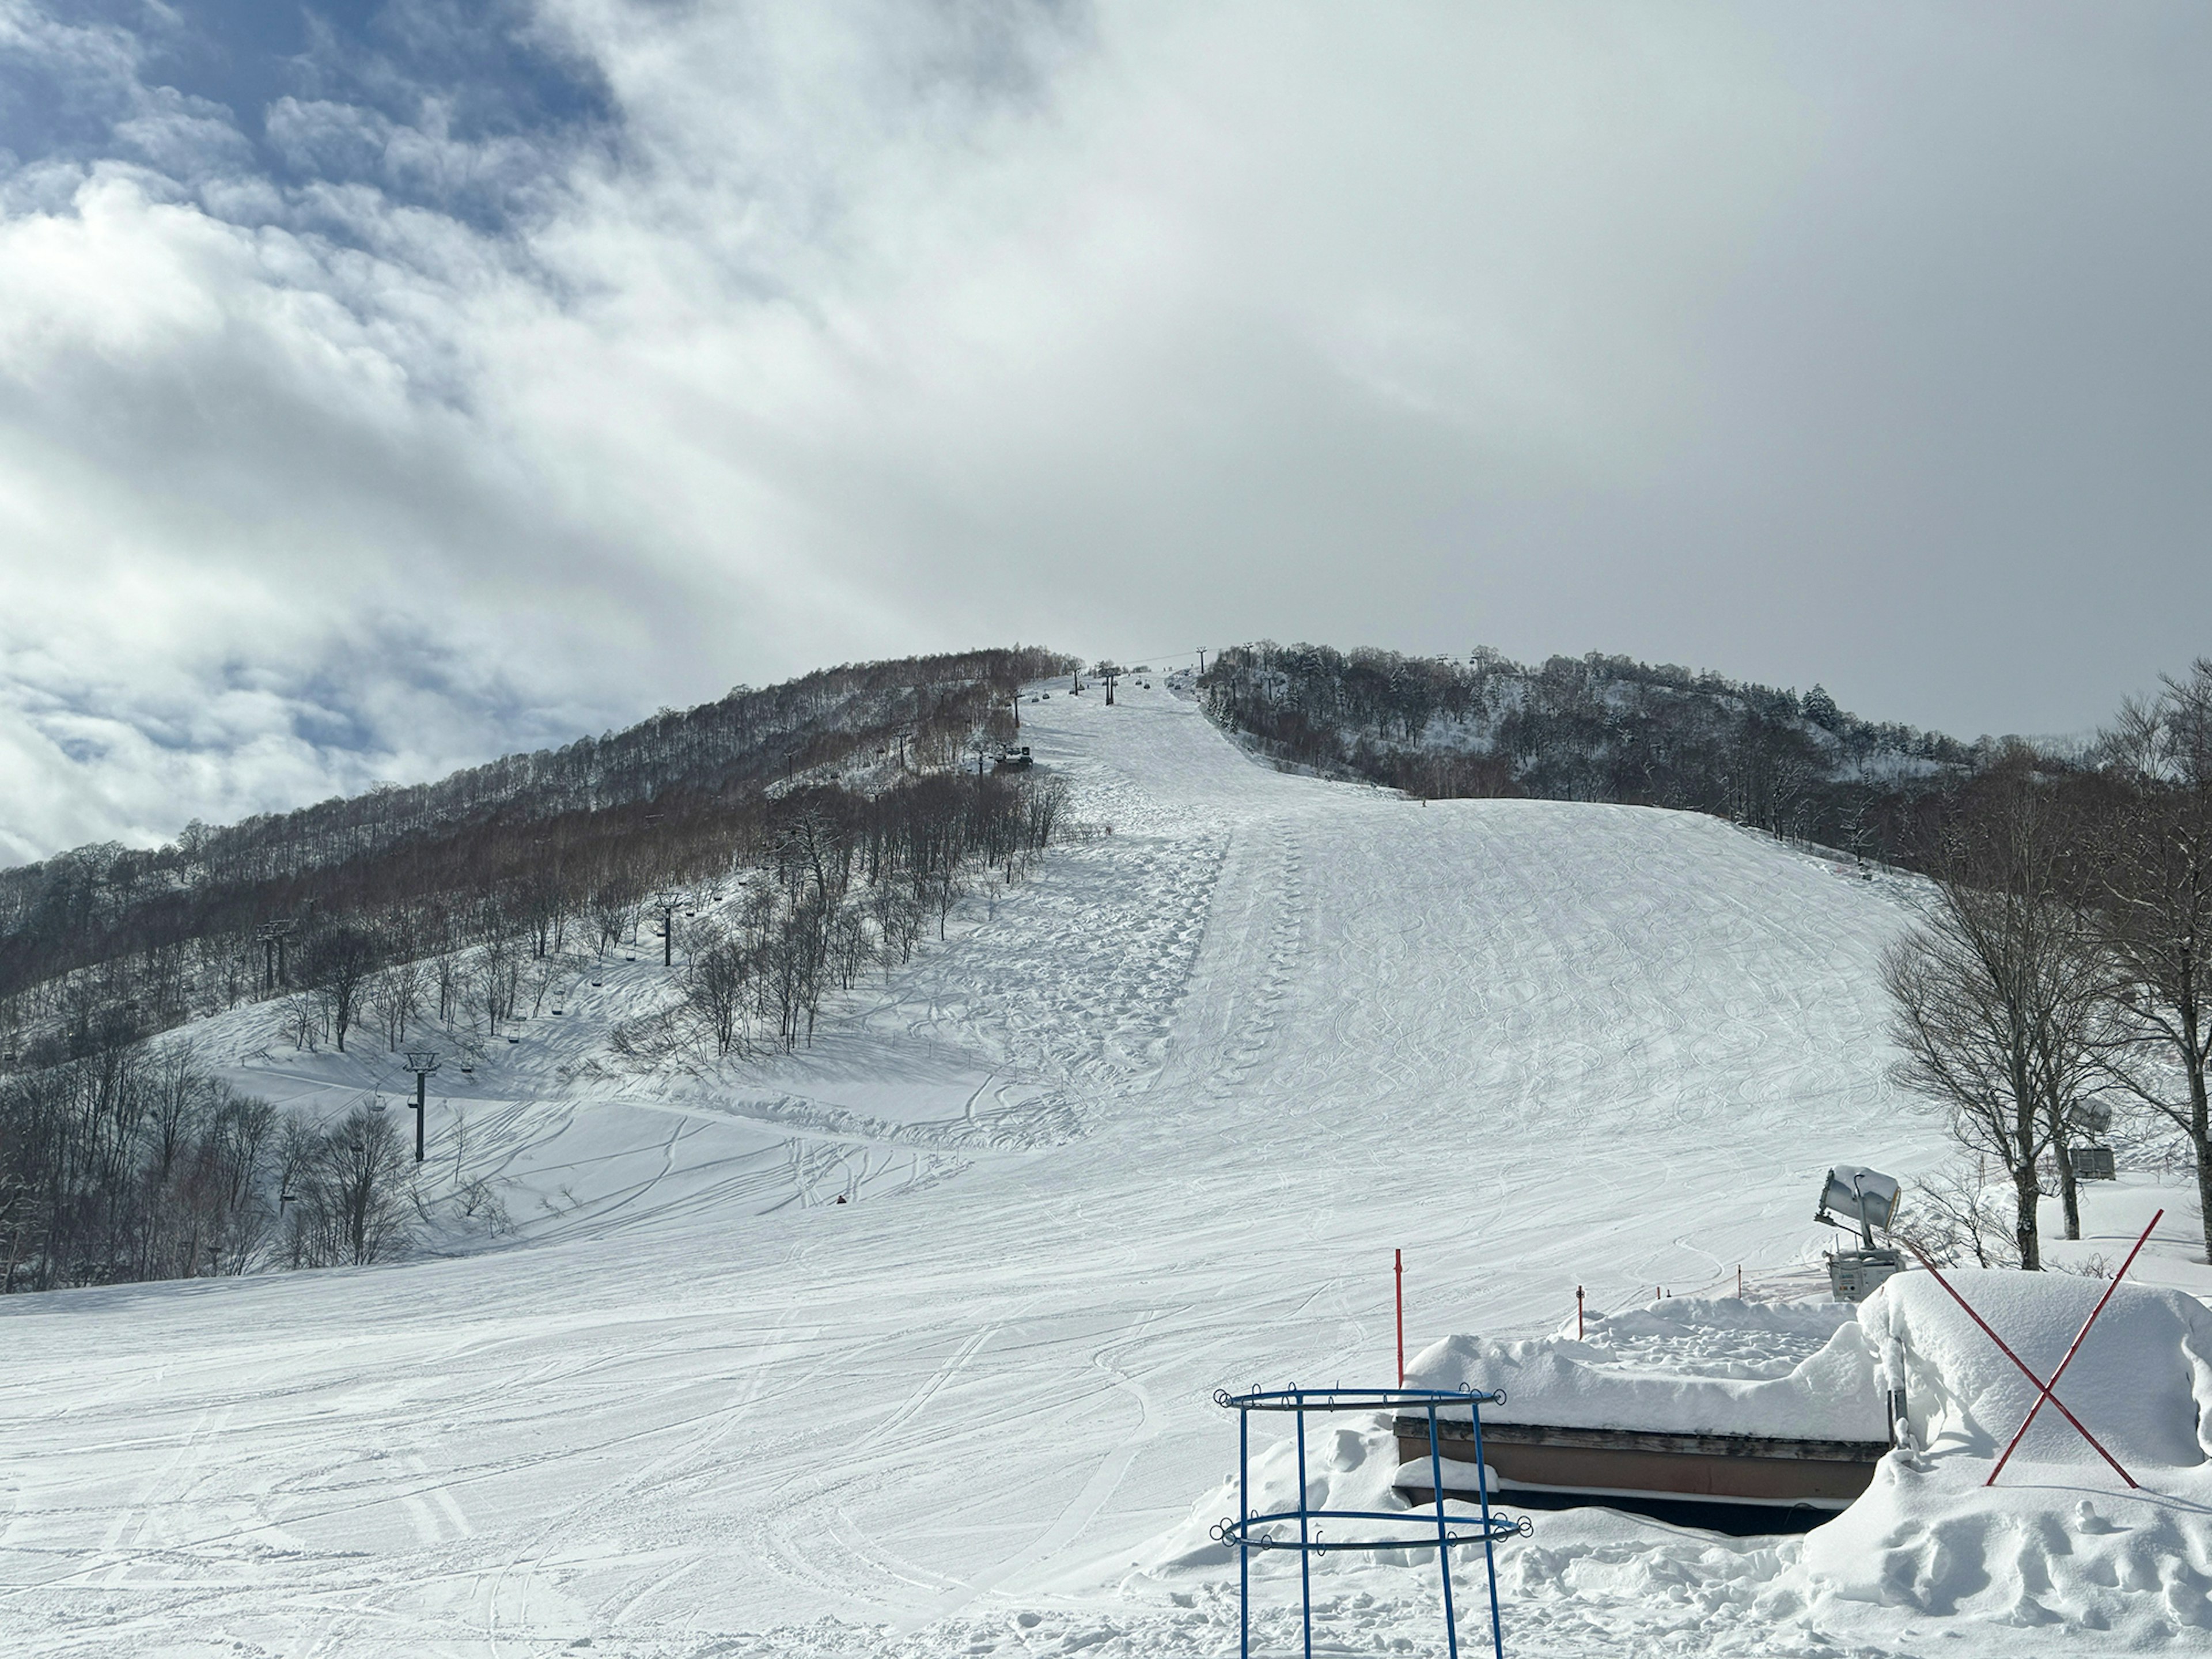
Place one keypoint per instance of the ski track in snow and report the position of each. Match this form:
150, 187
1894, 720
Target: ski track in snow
1149, 1123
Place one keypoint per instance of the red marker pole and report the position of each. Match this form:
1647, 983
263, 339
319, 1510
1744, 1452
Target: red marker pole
1398, 1269
1578, 1313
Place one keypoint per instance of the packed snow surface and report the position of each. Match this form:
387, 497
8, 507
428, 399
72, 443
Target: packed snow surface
1146, 1125
1834, 1393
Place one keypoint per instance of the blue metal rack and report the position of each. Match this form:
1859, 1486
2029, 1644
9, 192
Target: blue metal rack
1246, 1531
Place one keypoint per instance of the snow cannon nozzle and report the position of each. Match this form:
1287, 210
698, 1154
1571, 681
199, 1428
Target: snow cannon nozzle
1864, 1197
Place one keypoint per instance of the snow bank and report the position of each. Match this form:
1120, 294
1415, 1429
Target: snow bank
2140, 1385
1679, 1367
2060, 1542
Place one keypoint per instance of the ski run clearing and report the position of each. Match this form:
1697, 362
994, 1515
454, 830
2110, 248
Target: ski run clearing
1148, 1124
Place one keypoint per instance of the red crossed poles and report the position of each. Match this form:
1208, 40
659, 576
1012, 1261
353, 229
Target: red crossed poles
2043, 1389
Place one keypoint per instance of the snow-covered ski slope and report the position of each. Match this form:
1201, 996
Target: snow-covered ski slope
1147, 1124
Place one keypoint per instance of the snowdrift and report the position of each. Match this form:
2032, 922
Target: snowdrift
1832, 1394
2061, 1541
2140, 1384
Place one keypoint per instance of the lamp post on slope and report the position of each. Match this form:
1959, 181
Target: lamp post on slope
422, 1062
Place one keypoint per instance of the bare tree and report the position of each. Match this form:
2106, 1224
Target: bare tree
718, 986
1952, 1219
176, 1093
449, 973
614, 910
2156, 912
337, 963
544, 973
492, 987
394, 997
355, 1192
1995, 1001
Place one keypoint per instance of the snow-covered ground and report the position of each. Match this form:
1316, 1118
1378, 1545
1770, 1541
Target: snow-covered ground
1148, 1124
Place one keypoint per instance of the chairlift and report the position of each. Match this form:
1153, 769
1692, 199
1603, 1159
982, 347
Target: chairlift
595, 985
514, 1039
468, 1068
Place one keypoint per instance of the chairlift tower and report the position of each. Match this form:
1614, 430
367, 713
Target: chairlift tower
422, 1062
272, 935
665, 903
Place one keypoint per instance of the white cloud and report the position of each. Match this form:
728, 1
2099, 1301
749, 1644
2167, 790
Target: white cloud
863, 328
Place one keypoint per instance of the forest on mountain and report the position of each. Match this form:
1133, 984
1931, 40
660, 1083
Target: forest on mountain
531, 840
835, 821
1592, 728
840, 815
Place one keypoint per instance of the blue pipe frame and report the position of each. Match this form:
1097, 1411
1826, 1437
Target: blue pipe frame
1246, 1531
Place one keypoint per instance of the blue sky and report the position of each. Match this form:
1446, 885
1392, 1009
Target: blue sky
386, 386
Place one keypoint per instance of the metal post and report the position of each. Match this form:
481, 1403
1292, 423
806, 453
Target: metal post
1305, 1555
1489, 1549
1443, 1533
1243, 1544
422, 1062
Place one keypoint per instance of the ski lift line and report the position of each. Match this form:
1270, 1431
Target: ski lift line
2044, 1390
1164, 656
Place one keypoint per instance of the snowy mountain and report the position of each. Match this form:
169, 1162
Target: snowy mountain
904, 1343
1593, 728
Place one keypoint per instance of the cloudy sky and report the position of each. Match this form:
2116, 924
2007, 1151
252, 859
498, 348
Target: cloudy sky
384, 387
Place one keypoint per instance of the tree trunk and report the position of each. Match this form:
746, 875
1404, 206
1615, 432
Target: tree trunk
2062, 1152
2200, 1136
2025, 1192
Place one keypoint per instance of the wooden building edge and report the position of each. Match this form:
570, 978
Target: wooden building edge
1740, 1483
